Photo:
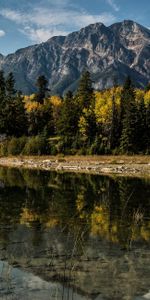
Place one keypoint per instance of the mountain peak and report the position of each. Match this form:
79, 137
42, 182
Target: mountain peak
129, 25
95, 26
115, 51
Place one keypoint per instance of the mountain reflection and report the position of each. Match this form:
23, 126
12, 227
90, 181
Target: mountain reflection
80, 229
116, 209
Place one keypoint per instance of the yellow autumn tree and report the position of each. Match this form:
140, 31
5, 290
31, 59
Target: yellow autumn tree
147, 98
103, 105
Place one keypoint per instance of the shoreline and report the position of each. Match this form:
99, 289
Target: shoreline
100, 165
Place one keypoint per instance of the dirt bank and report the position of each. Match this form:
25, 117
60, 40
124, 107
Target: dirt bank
122, 165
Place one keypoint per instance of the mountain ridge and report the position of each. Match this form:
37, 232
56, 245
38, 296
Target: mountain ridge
115, 51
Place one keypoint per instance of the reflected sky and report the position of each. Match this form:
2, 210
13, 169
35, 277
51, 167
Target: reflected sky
84, 236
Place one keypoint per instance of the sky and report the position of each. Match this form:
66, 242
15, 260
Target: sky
27, 22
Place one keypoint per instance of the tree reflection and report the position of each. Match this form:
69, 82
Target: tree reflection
115, 209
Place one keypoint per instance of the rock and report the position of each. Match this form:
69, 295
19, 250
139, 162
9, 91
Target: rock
116, 51
106, 170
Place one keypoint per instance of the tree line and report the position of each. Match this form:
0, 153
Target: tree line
112, 121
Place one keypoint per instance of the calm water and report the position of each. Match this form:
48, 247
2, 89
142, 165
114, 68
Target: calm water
68, 236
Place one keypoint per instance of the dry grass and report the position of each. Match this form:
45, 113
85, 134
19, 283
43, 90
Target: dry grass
107, 159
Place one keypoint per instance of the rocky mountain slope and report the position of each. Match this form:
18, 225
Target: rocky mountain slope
107, 52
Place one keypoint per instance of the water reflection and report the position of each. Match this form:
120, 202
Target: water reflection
89, 233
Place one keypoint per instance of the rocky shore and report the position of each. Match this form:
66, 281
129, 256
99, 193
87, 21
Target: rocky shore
132, 166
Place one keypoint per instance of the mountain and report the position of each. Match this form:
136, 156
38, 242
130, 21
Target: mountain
107, 52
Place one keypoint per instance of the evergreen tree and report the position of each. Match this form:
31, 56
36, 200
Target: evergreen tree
141, 127
87, 126
148, 129
2, 100
2, 85
41, 84
21, 123
8, 111
10, 86
126, 95
114, 128
40, 120
85, 100
129, 132
14, 118
68, 121
85, 93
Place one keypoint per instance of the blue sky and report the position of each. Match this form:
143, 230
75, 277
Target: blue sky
26, 22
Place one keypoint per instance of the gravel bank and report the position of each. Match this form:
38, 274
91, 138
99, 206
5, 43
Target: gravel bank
122, 167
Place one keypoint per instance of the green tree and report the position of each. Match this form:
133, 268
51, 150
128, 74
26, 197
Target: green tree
141, 127
114, 126
2, 99
68, 121
85, 93
14, 117
127, 94
87, 126
85, 99
129, 132
41, 84
40, 120
148, 128
10, 85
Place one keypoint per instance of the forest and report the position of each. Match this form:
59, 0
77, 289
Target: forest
86, 122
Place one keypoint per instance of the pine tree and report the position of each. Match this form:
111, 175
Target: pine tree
2, 84
114, 128
41, 84
2, 99
85, 100
14, 118
21, 123
68, 121
148, 129
141, 127
10, 85
127, 93
87, 126
40, 120
129, 132
85, 93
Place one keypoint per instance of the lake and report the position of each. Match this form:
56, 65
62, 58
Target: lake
73, 236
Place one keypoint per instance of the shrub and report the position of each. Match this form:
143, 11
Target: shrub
16, 145
35, 145
3, 148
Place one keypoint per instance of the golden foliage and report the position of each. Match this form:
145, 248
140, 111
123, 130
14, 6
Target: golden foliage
27, 217
30, 106
147, 98
103, 105
30, 103
139, 95
82, 126
56, 101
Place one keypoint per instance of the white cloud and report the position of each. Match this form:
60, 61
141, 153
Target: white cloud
12, 15
41, 35
113, 5
41, 23
56, 17
2, 33
86, 19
